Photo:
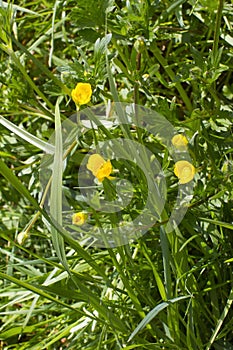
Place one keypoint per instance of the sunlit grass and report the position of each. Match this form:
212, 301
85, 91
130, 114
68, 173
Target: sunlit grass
169, 289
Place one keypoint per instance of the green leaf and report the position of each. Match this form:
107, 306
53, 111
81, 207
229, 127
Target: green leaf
102, 44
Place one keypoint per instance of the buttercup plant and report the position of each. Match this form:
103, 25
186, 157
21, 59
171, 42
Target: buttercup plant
108, 199
143, 261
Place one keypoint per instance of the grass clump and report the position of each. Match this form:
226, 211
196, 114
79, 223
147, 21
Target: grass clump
170, 287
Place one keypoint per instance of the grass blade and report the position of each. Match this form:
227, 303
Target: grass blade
219, 223
154, 312
37, 291
56, 189
221, 320
5, 5
25, 135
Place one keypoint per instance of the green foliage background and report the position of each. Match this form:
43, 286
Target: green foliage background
160, 292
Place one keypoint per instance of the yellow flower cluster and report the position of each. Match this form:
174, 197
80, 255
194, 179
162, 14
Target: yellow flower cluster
99, 167
81, 95
184, 170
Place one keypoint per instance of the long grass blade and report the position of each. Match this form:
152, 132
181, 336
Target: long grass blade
25, 135
221, 320
218, 223
5, 5
56, 189
37, 290
154, 312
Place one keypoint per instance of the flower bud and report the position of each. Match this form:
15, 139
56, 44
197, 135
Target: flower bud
79, 218
179, 141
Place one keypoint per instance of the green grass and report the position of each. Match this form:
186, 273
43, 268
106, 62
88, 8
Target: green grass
167, 289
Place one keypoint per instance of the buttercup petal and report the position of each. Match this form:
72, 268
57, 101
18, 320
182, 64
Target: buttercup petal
95, 162
104, 171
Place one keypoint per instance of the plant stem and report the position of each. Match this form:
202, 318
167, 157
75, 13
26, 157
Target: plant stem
217, 31
171, 75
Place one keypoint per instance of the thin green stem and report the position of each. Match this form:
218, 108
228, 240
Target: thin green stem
130, 291
171, 75
217, 31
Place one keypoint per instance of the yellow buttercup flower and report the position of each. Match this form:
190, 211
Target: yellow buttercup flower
99, 167
79, 218
179, 141
184, 170
81, 95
